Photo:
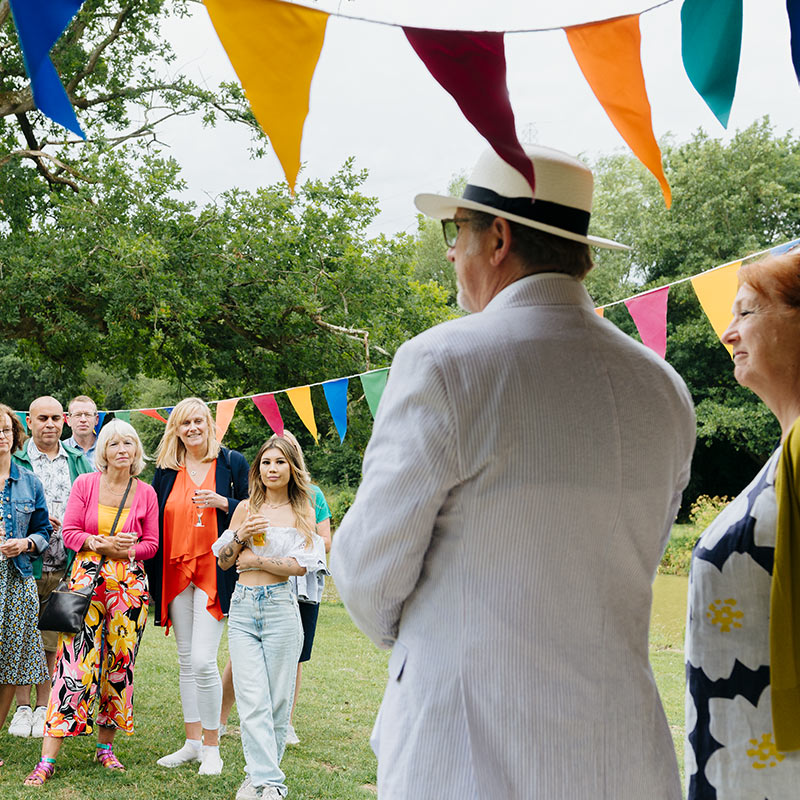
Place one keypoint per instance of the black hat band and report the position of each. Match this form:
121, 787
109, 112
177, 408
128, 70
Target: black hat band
556, 215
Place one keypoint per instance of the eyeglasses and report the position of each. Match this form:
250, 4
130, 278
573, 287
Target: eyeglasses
450, 229
7, 432
83, 414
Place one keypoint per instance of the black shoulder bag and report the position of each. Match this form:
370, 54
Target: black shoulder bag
66, 608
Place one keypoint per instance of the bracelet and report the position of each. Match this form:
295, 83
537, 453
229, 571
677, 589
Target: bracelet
236, 538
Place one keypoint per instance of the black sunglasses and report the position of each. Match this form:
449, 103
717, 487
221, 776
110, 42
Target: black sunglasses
450, 229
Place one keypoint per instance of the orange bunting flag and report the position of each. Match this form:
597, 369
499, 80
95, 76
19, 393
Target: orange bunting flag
274, 48
225, 409
609, 55
300, 398
151, 412
600, 311
716, 291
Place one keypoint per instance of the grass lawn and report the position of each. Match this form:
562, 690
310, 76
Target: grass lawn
342, 687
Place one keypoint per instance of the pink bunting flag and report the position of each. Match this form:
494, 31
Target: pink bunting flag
471, 66
151, 412
649, 312
268, 406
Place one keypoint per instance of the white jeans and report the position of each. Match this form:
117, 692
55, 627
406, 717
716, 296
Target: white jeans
197, 635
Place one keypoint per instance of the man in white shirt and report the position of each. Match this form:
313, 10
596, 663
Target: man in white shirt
82, 420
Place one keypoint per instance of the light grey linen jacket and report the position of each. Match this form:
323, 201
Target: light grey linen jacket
524, 470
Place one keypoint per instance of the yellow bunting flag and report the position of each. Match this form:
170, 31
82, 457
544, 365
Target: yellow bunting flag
609, 55
716, 291
300, 398
600, 311
225, 409
274, 48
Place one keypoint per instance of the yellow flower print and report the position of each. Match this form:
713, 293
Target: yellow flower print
121, 635
724, 614
764, 754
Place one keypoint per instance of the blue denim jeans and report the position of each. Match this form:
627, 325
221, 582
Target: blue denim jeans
265, 638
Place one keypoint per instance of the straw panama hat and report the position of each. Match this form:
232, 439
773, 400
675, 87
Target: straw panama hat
563, 201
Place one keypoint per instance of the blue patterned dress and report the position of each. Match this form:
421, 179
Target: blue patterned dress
730, 749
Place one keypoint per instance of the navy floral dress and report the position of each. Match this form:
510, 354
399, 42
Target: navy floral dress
730, 749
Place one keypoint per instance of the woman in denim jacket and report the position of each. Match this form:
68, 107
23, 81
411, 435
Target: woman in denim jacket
24, 533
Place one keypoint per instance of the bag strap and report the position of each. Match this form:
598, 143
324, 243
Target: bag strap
114, 526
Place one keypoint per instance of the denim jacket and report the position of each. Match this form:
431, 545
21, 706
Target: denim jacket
27, 516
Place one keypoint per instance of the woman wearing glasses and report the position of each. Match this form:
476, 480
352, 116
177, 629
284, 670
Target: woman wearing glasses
24, 532
199, 484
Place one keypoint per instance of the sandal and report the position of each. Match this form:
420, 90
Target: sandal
105, 756
42, 772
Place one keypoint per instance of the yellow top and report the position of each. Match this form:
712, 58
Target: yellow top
784, 613
105, 518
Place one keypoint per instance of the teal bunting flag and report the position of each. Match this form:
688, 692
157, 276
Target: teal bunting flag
711, 42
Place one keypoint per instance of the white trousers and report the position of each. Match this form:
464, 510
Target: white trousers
197, 635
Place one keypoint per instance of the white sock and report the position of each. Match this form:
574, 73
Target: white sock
195, 744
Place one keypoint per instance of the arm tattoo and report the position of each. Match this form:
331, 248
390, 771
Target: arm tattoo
227, 556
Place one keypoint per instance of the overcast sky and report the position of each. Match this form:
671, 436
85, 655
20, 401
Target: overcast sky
372, 97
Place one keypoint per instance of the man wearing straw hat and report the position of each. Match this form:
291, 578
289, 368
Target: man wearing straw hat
526, 466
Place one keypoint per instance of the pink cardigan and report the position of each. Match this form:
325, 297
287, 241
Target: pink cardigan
80, 517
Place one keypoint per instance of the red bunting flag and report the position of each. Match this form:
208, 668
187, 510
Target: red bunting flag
151, 412
649, 312
471, 66
268, 406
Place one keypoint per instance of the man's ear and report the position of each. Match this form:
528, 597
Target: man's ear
501, 241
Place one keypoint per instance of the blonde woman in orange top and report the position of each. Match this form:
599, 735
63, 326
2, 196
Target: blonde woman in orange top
198, 484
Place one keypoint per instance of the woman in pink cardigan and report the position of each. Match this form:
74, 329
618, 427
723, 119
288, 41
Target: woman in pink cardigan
97, 663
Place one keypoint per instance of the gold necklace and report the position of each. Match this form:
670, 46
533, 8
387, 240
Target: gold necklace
111, 491
277, 505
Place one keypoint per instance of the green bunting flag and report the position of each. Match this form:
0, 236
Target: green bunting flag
374, 383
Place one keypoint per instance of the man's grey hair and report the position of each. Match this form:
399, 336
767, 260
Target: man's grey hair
539, 251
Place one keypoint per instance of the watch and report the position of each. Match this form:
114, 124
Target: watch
30, 546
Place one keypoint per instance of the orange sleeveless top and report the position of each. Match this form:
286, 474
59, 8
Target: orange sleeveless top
187, 548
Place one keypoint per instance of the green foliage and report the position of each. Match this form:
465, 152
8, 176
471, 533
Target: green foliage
339, 502
116, 67
729, 200
678, 552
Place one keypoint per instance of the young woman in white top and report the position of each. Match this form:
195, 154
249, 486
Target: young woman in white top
272, 536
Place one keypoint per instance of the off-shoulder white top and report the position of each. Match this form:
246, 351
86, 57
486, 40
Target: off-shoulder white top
282, 543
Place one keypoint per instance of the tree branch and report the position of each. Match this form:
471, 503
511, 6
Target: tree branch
91, 64
5, 10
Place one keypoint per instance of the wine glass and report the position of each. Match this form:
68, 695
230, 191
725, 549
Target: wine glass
199, 511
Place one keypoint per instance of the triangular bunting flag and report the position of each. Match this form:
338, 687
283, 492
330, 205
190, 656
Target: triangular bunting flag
716, 291
101, 415
40, 24
374, 383
125, 416
274, 48
471, 66
600, 312
793, 10
711, 41
225, 409
336, 396
300, 398
151, 412
268, 407
649, 312
609, 55
23, 419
